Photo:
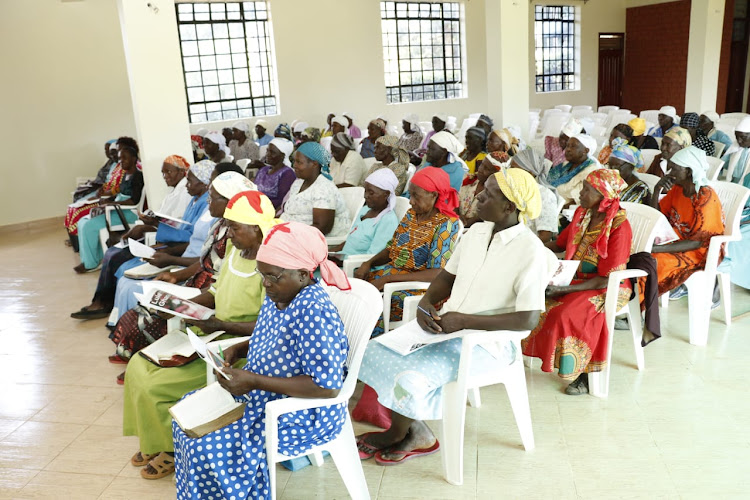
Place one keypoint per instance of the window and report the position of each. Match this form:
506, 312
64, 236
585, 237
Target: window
554, 35
227, 59
422, 51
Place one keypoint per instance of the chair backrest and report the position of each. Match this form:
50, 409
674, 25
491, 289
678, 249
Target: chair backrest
565, 108
402, 206
650, 115
733, 198
649, 179
554, 124
718, 148
369, 162
466, 125
607, 109
326, 142
359, 309
410, 171
714, 167
244, 163
582, 108
354, 197
263, 150
643, 220
425, 126
734, 116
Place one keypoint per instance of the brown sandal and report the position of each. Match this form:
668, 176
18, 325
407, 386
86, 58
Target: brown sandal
162, 464
139, 459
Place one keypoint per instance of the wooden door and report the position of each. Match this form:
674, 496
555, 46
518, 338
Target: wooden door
611, 63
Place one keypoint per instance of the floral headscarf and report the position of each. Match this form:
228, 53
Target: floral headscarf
681, 136
626, 153
610, 185
203, 170
398, 153
284, 131
177, 161
312, 133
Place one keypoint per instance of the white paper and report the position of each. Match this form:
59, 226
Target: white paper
183, 292
171, 220
410, 337
140, 250
174, 343
566, 270
664, 232
210, 357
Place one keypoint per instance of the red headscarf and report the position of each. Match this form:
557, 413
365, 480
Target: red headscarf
436, 180
177, 161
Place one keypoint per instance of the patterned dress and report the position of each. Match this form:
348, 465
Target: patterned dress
231, 462
572, 333
76, 213
637, 192
416, 246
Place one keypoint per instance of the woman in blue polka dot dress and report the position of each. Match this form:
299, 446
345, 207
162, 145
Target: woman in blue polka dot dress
299, 349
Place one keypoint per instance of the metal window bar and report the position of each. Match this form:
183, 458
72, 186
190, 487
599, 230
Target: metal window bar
555, 43
236, 16
433, 83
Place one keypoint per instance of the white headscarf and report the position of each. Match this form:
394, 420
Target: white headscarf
572, 128
413, 120
230, 184
443, 117
588, 143
262, 123
743, 126
711, 115
285, 146
243, 126
384, 178
340, 120
448, 141
669, 111
694, 159
218, 139
300, 127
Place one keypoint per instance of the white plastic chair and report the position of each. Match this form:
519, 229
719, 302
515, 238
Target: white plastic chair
326, 143
718, 148
554, 124
582, 108
262, 153
410, 171
104, 232
649, 179
402, 206
354, 197
565, 108
734, 116
650, 115
607, 109
369, 162
714, 167
243, 163
648, 156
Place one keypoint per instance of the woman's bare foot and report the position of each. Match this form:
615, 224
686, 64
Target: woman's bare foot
419, 437
80, 268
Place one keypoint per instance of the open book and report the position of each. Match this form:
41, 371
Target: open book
170, 221
174, 343
410, 338
206, 410
161, 300
566, 270
140, 250
147, 270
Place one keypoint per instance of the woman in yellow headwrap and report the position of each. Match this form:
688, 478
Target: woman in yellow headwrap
150, 389
640, 140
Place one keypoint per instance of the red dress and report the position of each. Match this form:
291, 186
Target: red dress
572, 333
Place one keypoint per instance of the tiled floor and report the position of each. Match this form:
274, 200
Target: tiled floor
679, 429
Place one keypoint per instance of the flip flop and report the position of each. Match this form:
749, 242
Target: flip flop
90, 313
117, 360
369, 450
140, 460
163, 464
121, 379
408, 455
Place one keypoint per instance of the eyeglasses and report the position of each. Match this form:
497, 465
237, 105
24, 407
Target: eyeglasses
270, 278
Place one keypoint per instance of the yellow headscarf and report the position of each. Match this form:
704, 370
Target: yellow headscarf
638, 125
520, 187
252, 208
681, 136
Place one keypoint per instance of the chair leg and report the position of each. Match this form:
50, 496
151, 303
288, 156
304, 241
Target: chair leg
343, 450
519, 403
726, 296
699, 308
454, 418
475, 399
636, 328
316, 458
665, 300
528, 361
599, 383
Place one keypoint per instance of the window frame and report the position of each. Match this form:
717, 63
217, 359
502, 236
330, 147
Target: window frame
569, 33
266, 62
448, 88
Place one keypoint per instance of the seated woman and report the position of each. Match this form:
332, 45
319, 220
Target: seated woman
667, 117
626, 160
737, 260
572, 333
676, 139
640, 140
131, 188
90, 188
262, 138
494, 281
328, 129
215, 146
375, 130
351, 129
544, 226
690, 122
242, 146
389, 154
568, 178
707, 123
347, 168
468, 196
275, 179
554, 147
298, 348
310, 134
694, 211
423, 241
376, 222
283, 131
502, 141
442, 153
412, 137
621, 131
237, 296
476, 149
737, 162
485, 123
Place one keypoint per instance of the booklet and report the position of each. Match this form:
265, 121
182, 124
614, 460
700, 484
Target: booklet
174, 343
566, 270
170, 303
206, 410
147, 270
170, 221
140, 250
410, 338
206, 354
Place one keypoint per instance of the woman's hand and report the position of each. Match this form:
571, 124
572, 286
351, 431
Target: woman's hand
160, 259
166, 277
429, 322
207, 326
234, 353
240, 381
452, 322
380, 283
149, 221
665, 184
555, 291
362, 271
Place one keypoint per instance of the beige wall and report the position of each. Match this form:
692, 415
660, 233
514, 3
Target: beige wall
64, 92
596, 16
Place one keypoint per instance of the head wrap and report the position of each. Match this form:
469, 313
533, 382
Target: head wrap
340, 120
283, 130
638, 125
385, 179
312, 133
348, 115
219, 140
413, 121
399, 154
743, 126
252, 208
177, 161
609, 184
531, 161
669, 111
300, 127
522, 190
626, 153
442, 117
478, 132
498, 159
113, 145
315, 152
243, 126
680, 135
695, 159
436, 180
342, 140
111, 141
293, 245
448, 141
285, 146
203, 170
229, 184
378, 122
486, 119
588, 142
689, 120
261, 123
711, 115
572, 128
203, 132
508, 138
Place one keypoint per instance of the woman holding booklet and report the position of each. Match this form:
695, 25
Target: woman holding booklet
494, 281
572, 335
298, 348
236, 297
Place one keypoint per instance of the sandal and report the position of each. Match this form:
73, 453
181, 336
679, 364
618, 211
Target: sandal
366, 450
407, 455
162, 464
121, 379
116, 359
139, 459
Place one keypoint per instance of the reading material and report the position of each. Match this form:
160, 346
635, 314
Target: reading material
170, 303
170, 221
410, 338
146, 271
206, 354
174, 343
206, 410
566, 270
140, 250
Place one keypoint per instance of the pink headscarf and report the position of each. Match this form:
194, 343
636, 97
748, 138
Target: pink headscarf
293, 245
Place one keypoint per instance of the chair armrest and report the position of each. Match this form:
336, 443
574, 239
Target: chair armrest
714, 250
613, 285
278, 407
352, 262
335, 240
626, 274
227, 343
